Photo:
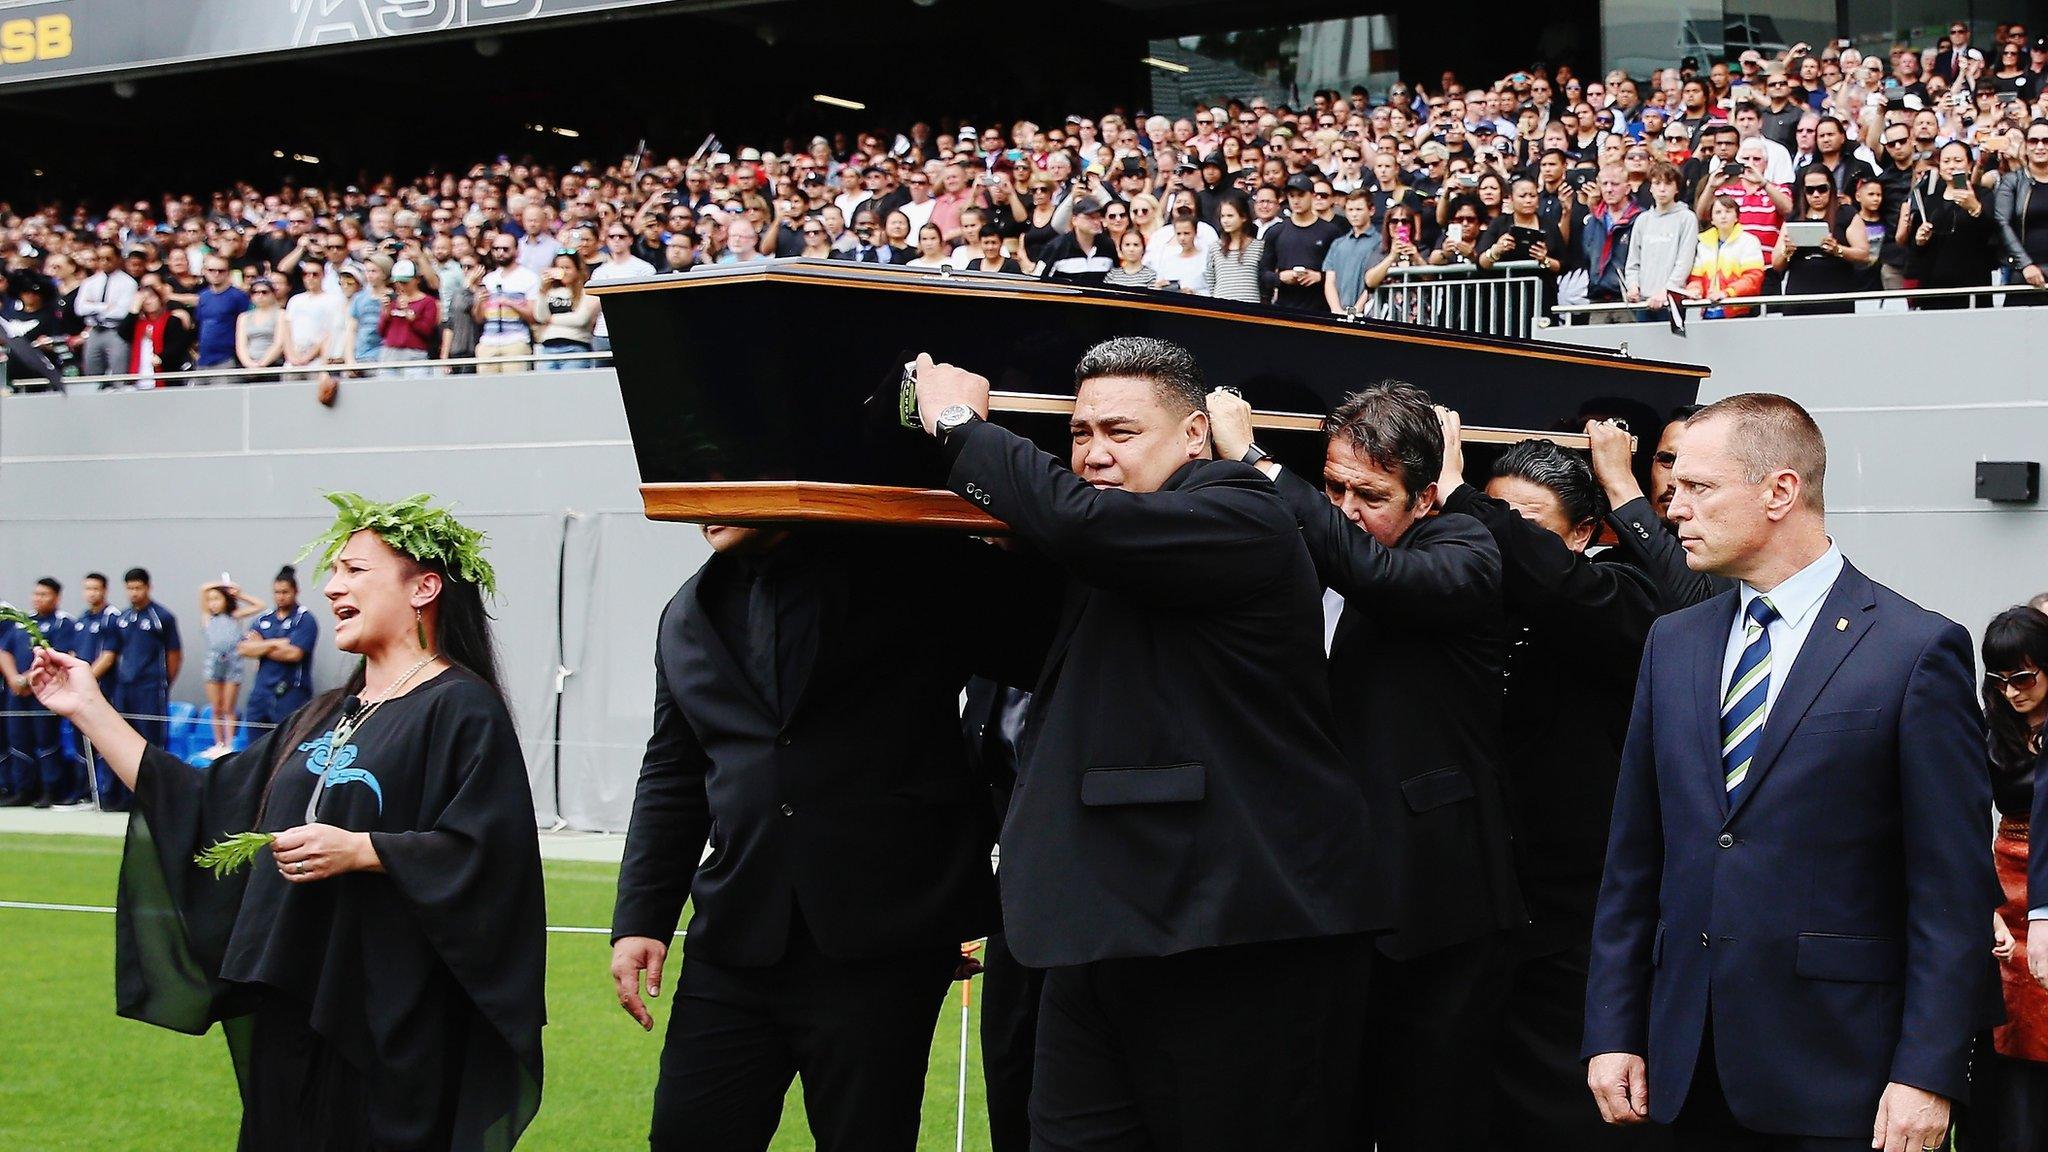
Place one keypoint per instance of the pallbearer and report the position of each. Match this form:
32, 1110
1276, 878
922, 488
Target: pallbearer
378, 970
1186, 851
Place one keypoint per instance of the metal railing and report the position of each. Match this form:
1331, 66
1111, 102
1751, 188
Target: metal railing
305, 373
1762, 305
1504, 300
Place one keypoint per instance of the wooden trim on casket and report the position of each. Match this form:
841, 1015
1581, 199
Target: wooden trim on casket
810, 501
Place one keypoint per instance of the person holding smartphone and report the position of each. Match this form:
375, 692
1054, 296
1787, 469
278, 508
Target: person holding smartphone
2020, 207
1520, 234
1951, 228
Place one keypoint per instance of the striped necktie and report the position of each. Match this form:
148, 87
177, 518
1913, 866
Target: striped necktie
1749, 689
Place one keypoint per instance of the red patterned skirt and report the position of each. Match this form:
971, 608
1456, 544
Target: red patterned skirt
2024, 1035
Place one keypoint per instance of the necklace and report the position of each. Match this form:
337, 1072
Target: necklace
345, 730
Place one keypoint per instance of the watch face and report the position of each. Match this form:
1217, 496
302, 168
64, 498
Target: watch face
955, 415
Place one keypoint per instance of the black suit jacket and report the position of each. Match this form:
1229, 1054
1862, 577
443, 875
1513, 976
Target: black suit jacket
1578, 628
1179, 788
853, 802
1645, 542
1415, 676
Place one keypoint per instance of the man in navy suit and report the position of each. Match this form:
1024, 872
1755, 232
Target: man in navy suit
1790, 949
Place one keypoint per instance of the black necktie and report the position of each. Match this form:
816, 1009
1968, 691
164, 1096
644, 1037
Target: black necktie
761, 641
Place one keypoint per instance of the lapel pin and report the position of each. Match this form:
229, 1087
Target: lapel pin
1841, 624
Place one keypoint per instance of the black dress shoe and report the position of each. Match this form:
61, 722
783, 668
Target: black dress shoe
41, 802
14, 800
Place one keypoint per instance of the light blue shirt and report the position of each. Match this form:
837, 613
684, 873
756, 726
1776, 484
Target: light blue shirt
1797, 601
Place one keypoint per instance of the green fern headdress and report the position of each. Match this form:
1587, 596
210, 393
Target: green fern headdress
412, 526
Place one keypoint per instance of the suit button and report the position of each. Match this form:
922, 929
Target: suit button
1726, 841
1703, 940
788, 810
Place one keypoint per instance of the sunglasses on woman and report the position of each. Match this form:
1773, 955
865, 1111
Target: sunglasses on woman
2019, 681
1813, 189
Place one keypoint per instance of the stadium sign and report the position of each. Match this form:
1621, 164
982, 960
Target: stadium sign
54, 39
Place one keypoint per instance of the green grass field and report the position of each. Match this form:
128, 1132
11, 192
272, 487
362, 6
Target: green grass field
75, 1078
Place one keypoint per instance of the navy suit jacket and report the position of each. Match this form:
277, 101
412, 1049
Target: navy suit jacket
1835, 922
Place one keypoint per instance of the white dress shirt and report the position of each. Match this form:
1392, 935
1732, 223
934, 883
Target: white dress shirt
1798, 602
105, 299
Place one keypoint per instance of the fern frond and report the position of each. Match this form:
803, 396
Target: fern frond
233, 854
9, 614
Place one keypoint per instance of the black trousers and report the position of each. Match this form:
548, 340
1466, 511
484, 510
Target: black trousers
1430, 1060
858, 1033
1542, 1103
1009, 1036
1249, 1046
1705, 1123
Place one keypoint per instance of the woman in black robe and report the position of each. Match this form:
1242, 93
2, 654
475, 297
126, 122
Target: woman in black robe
379, 978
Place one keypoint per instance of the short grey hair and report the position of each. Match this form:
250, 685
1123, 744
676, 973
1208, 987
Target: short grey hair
1175, 377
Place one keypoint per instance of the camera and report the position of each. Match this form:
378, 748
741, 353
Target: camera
559, 301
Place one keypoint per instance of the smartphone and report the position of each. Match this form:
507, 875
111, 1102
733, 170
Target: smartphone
1400, 234
1959, 181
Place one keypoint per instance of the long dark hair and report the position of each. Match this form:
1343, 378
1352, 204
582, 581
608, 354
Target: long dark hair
2015, 636
462, 636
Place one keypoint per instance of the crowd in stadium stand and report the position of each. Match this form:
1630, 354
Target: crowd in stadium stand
1809, 172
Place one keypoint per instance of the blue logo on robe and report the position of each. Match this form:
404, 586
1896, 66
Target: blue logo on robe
334, 770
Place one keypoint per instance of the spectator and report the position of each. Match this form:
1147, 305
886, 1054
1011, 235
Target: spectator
1232, 271
537, 244
222, 608
568, 314
2013, 1080
1291, 264
897, 232
408, 323
1350, 255
217, 312
816, 245
1182, 261
34, 330
1520, 234
1397, 249
505, 307
621, 264
103, 303
262, 333
1605, 235
158, 338
459, 292
312, 319
1663, 243
1830, 142
1828, 265
1082, 255
742, 243
931, 248
1729, 264
1866, 214
1947, 224
1131, 271
1459, 243
868, 247
362, 300
2021, 211
991, 258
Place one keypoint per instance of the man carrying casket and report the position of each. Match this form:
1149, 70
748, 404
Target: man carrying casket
1186, 849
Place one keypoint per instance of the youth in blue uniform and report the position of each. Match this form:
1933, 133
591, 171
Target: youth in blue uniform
147, 655
36, 771
92, 640
282, 642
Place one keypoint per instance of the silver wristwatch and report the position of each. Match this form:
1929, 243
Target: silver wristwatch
951, 418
